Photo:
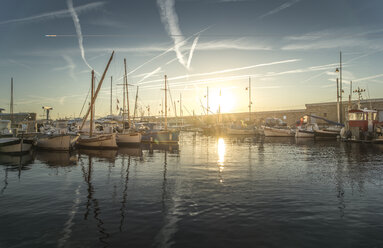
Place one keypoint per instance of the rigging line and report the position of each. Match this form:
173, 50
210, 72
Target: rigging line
171, 99
84, 103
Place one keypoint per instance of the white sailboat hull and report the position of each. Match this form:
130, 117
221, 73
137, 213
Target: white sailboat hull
129, 138
14, 145
106, 141
60, 142
277, 132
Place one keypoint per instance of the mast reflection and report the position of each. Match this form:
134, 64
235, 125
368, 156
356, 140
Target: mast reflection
221, 157
87, 174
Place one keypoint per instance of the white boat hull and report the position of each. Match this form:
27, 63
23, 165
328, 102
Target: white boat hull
14, 145
276, 132
106, 141
129, 138
60, 142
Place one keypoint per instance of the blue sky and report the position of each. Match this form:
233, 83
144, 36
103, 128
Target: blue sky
289, 48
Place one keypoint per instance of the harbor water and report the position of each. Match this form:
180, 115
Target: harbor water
204, 192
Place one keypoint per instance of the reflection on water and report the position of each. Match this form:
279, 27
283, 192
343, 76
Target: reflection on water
221, 157
278, 192
24, 159
102, 155
55, 158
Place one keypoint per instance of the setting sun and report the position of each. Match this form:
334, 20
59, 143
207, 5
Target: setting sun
221, 99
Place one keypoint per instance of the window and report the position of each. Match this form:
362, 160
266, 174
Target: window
356, 116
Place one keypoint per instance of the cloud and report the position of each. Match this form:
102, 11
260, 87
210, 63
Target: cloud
54, 14
280, 8
170, 20
76, 23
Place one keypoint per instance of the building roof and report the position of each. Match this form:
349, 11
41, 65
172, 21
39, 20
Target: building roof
345, 102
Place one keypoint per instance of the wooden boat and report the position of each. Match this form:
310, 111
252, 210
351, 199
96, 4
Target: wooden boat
302, 133
128, 136
56, 141
241, 131
91, 139
306, 131
15, 145
101, 141
278, 132
326, 134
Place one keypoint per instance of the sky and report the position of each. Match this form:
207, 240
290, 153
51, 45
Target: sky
288, 48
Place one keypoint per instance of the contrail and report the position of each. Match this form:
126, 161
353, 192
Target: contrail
280, 8
170, 20
165, 52
227, 70
76, 22
192, 51
54, 14
150, 74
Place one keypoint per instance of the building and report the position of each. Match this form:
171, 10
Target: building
18, 117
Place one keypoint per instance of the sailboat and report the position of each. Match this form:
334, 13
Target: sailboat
127, 136
91, 139
9, 144
163, 135
58, 138
243, 129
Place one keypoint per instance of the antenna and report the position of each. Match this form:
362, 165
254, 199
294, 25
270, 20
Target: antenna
359, 91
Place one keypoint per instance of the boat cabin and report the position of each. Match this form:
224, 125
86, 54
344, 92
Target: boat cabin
363, 119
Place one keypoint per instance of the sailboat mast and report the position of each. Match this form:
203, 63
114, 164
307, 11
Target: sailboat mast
340, 87
123, 103
111, 94
91, 106
135, 105
182, 121
250, 99
166, 105
207, 100
97, 90
11, 105
127, 92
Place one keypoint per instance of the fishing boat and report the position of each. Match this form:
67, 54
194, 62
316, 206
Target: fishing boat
14, 145
277, 132
363, 125
306, 130
275, 127
128, 136
57, 138
241, 130
91, 139
330, 132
